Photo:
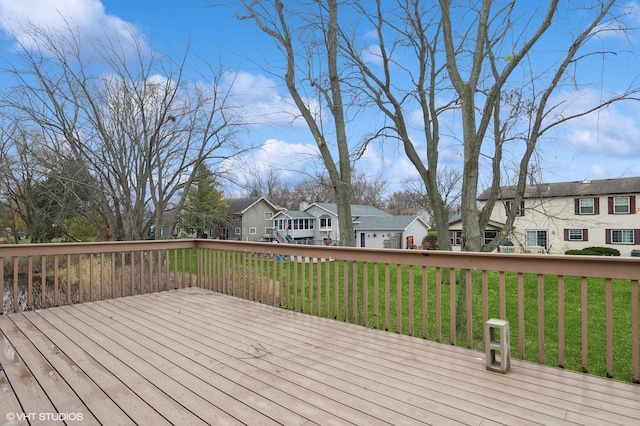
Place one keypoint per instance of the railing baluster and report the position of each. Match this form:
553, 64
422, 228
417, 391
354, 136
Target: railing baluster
398, 298
469, 288
319, 284
376, 295
635, 331
336, 283
585, 327
345, 286
485, 302
540, 318
91, 282
452, 306
425, 303
30, 283
561, 322
354, 293
411, 300
43, 281
503, 296
311, 288
387, 295
101, 274
520, 315
365, 294
438, 304
15, 284
609, 325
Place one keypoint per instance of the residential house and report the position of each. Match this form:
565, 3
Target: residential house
248, 219
573, 215
455, 230
318, 223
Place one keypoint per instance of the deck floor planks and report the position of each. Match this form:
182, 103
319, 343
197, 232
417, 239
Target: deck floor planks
396, 410
384, 374
370, 379
621, 413
282, 366
223, 393
325, 408
98, 403
143, 385
29, 392
8, 401
136, 409
149, 365
600, 395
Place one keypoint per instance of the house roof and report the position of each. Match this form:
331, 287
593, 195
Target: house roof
571, 189
387, 223
240, 205
294, 214
356, 209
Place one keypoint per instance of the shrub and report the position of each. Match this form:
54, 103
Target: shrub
604, 251
430, 242
594, 251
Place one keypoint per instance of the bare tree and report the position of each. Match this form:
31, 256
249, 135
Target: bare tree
476, 62
137, 123
307, 36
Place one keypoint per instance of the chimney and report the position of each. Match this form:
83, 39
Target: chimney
303, 205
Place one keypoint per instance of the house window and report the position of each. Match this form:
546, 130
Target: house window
268, 231
237, 231
537, 237
268, 215
586, 206
252, 231
489, 236
510, 205
576, 235
325, 222
456, 237
622, 205
622, 236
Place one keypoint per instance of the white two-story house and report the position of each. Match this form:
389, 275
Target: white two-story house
574, 215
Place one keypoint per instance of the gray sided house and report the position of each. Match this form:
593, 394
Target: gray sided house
248, 219
404, 232
317, 223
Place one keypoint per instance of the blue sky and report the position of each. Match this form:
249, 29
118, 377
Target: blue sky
604, 145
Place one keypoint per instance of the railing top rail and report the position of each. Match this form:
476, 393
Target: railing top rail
11, 250
583, 266
591, 266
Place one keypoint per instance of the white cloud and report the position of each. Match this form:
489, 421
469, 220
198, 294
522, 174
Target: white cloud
612, 132
259, 99
87, 18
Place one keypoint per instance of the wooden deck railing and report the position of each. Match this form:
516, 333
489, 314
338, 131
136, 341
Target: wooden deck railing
574, 312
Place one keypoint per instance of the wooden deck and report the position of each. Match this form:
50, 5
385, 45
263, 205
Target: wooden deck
192, 357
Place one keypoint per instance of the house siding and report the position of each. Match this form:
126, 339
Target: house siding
558, 215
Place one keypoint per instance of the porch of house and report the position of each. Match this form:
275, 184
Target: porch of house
192, 356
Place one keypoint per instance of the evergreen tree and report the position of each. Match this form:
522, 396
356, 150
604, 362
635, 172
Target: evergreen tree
205, 208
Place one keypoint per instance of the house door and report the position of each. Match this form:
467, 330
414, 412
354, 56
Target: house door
362, 239
225, 233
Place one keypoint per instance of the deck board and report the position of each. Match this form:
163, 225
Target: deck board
191, 356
